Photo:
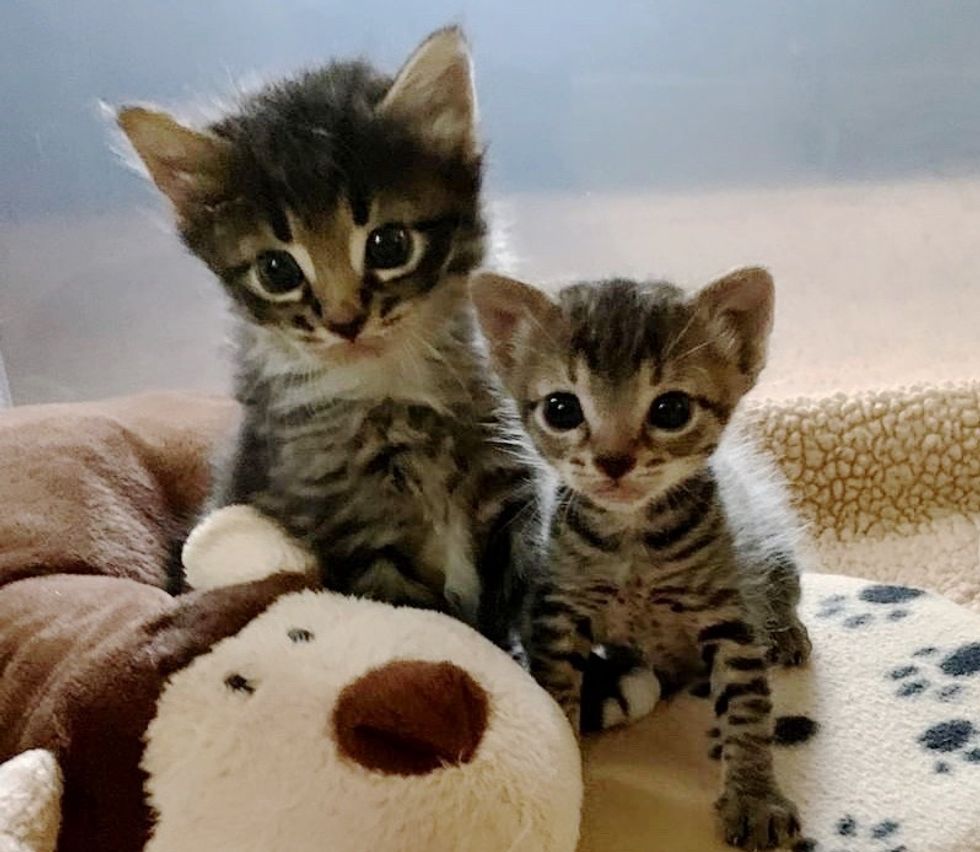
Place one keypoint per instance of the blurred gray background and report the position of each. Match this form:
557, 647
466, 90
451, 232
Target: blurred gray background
836, 141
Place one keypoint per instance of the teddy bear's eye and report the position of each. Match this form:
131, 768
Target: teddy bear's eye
237, 683
298, 634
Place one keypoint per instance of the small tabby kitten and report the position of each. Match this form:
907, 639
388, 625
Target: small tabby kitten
668, 537
341, 212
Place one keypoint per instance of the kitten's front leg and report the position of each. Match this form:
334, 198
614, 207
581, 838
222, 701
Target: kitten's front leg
789, 641
754, 812
558, 645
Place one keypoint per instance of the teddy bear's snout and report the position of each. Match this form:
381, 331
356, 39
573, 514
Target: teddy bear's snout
411, 717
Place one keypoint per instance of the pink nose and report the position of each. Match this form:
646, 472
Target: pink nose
615, 467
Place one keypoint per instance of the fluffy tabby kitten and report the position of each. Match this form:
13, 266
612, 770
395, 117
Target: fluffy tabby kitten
341, 212
668, 537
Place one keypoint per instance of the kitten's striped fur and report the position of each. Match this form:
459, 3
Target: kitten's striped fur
676, 543
373, 431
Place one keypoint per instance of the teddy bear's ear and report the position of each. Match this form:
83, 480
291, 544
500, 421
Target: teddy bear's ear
30, 802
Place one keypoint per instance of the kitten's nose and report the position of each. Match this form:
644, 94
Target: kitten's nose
615, 467
348, 330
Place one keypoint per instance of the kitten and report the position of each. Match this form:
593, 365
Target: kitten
668, 536
341, 212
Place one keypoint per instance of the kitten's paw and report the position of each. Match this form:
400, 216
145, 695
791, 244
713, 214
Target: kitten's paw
769, 821
618, 687
639, 691
790, 645
237, 544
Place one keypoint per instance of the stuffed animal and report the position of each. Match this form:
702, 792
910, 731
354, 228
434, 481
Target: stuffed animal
268, 716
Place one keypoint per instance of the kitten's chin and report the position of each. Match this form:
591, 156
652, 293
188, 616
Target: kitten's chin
619, 498
352, 351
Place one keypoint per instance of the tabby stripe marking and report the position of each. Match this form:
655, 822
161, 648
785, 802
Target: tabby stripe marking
577, 525
663, 539
546, 634
757, 686
746, 664
698, 544
734, 631
553, 607
748, 740
756, 705
708, 654
583, 626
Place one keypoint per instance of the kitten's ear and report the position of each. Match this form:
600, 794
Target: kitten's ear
509, 313
187, 165
744, 301
434, 93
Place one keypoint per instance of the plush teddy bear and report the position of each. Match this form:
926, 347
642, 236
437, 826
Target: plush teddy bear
268, 716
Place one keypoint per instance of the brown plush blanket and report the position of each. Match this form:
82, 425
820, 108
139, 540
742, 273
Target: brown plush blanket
99, 488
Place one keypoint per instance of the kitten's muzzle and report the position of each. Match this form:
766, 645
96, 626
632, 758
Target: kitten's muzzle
615, 467
348, 330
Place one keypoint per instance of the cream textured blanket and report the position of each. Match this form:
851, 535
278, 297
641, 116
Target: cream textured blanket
889, 482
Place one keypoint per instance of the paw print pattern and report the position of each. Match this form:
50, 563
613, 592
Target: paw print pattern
849, 834
952, 739
872, 604
946, 677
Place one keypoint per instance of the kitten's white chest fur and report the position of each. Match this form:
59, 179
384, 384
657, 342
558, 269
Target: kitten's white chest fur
396, 373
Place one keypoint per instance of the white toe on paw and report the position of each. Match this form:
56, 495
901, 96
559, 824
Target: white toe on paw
612, 714
237, 544
639, 689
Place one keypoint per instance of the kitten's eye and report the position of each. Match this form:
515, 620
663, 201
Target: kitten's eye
563, 412
388, 247
278, 271
670, 411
